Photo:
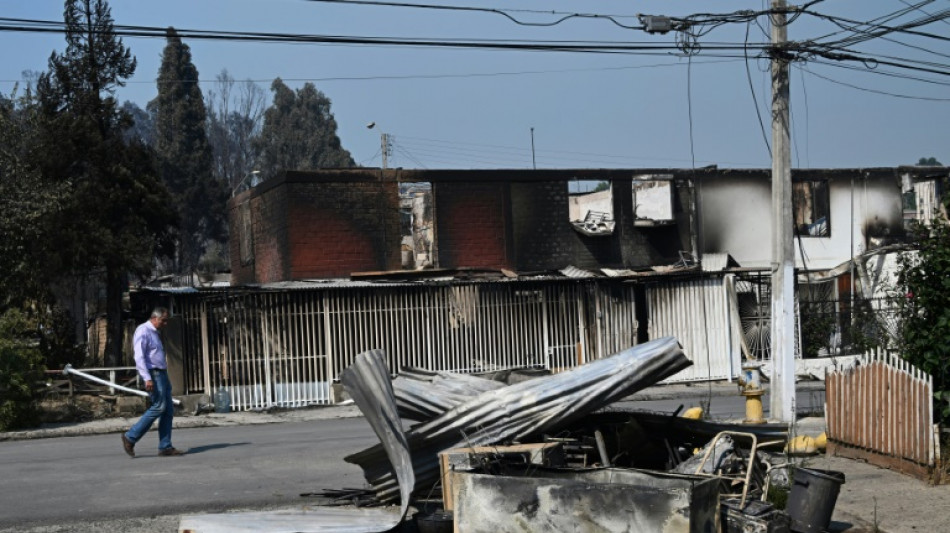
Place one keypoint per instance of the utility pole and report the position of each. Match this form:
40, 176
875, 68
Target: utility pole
782, 402
385, 147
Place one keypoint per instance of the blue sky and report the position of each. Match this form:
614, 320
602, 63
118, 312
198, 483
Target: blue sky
454, 108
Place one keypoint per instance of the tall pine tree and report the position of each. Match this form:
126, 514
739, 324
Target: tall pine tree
116, 215
184, 155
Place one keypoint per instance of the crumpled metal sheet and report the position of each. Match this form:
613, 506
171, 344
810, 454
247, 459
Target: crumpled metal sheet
423, 394
367, 381
517, 411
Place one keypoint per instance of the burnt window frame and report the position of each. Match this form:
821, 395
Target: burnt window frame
813, 188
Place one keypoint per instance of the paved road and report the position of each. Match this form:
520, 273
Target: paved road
89, 478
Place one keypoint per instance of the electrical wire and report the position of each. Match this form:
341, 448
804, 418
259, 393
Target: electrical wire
874, 91
564, 16
755, 101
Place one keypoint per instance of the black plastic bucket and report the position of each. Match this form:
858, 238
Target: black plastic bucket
811, 502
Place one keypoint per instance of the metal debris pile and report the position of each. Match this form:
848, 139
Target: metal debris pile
544, 455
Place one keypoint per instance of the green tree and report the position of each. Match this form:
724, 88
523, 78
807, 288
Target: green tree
925, 311
184, 155
27, 202
21, 367
929, 162
299, 132
116, 214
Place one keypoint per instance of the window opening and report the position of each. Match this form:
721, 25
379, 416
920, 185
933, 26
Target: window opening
652, 199
591, 207
812, 208
415, 215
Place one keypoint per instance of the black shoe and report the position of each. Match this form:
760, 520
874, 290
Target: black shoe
170, 452
128, 446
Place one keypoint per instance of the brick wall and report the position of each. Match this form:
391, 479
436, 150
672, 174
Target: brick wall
341, 228
269, 227
472, 224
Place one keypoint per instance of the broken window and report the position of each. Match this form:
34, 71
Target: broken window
591, 207
246, 240
812, 208
653, 199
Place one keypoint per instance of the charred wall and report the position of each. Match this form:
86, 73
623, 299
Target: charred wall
316, 229
336, 229
472, 224
265, 234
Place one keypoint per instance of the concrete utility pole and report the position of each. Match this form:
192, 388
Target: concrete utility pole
386, 147
782, 406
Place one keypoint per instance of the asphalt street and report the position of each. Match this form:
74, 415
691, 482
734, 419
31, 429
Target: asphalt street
89, 478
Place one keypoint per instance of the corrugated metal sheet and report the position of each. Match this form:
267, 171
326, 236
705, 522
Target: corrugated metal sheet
715, 262
697, 313
574, 272
526, 408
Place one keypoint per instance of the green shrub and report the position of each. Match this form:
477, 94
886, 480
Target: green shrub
21, 368
925, 311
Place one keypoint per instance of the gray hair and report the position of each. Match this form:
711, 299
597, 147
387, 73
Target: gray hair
159, 312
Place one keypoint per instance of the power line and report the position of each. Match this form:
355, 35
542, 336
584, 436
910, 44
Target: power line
875, 91
506, 13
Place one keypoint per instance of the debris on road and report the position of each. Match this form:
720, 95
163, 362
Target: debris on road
544, 455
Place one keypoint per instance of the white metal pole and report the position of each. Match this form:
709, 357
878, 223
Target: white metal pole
68, 369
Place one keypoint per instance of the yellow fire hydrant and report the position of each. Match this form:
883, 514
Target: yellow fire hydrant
750, 386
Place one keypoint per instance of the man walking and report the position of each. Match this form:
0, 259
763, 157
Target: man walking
152, 367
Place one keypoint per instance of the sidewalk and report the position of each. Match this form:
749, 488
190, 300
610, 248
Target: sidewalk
872, 499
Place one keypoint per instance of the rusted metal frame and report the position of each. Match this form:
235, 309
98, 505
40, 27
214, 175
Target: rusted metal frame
747, 480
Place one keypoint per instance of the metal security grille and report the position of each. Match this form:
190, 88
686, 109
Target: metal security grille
286, 347
697, 313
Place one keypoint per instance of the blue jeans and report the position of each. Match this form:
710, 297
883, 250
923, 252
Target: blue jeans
162, 409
